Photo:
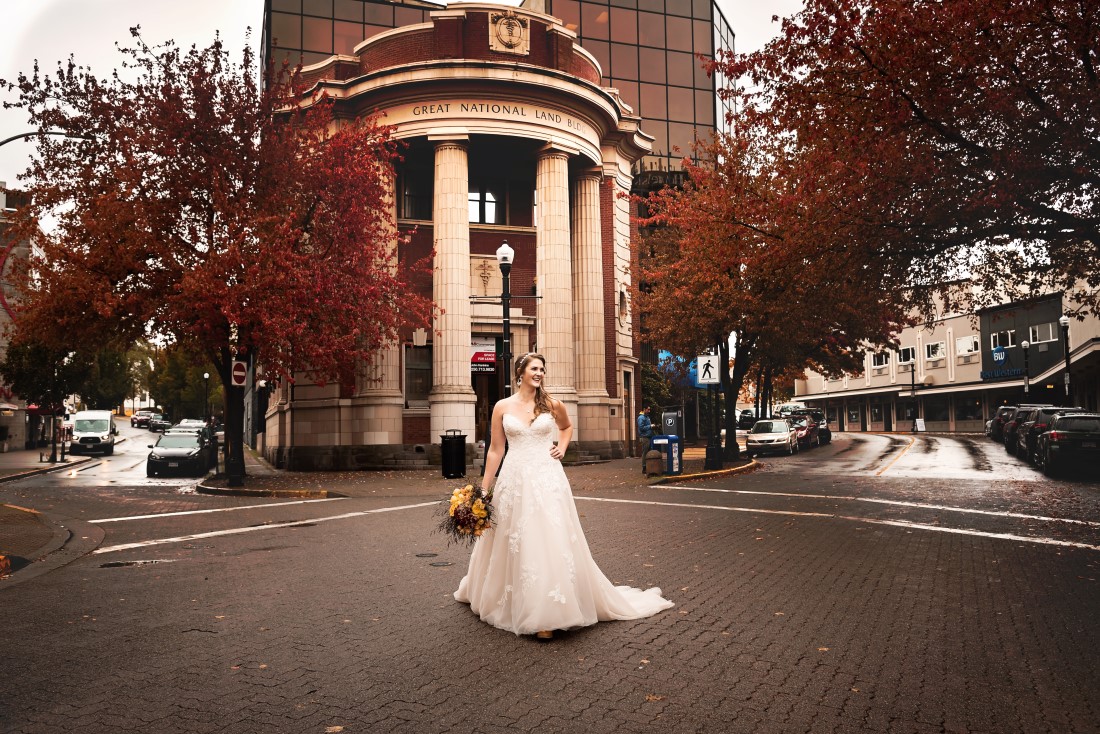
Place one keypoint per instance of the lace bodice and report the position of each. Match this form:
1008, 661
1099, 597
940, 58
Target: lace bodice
532, 440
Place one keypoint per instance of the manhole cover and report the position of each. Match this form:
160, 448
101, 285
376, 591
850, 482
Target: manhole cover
440, 563
426, 555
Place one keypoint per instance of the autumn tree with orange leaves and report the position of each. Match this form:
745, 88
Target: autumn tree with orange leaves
737, 249
951, 139
194, 203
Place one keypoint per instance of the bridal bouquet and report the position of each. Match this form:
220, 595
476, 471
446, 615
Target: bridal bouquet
468, 515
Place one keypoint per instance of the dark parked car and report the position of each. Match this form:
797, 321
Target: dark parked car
178, 453
159, 422
746, 420
140, 419
1071, 439
1032, 425
806, 431
996, 429
824, 432
1012, 422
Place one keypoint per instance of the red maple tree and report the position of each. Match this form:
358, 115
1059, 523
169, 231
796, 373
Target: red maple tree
195, 203
742, 249
957, 139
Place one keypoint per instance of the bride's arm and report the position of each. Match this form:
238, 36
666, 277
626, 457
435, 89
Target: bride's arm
496, 447
565, 429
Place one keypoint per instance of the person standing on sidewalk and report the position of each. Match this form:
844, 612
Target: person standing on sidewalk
645, 433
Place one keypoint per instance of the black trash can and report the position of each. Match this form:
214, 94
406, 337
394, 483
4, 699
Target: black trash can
453, 445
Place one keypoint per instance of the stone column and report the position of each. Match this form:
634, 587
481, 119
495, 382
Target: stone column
593, 402
555, 278
378, 419
452, 398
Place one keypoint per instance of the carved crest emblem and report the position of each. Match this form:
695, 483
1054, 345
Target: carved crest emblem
508, 34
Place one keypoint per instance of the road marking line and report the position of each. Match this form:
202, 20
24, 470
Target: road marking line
872, 521
901, 503
86, 468
881, 471
220, 509
237, 531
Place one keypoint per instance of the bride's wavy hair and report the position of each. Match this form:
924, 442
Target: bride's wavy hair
542, 398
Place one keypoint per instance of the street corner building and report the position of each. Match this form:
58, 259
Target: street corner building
513, 134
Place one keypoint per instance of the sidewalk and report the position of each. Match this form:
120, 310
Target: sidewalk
25, 535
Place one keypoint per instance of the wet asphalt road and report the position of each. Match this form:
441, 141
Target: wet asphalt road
878, 584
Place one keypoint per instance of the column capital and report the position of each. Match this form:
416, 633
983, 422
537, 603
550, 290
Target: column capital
595, 174
455, 138
555, 149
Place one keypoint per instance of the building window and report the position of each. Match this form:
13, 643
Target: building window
487, 202
967, 344
880, 359
907, 355
1003, 339
968, 409
416, 194
1043, 333
876, 412
418, 376
935, 350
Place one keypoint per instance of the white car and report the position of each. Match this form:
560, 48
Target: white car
771, 435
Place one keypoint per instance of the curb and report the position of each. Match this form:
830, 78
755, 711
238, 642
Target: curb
59, 466
246, 492
71, 540
707, 474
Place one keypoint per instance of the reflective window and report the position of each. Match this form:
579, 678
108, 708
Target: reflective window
418, 376
286, 30
653, 102
702, 35
681, 69
659, 130
377, 14
624, 61
408, 16
633, 4
628, 90
594, 21
681, 135
681, 104
652, 65
348, 10
316, 34
602, 51
651, 30
569, 11
701, 9
624, 26
346, 36
678, 34
287, 6
704, 107
678, 7
656, 6
322, 8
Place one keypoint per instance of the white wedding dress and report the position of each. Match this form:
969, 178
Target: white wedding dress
533, 571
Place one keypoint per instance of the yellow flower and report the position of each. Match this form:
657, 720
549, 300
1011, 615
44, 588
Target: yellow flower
479, 509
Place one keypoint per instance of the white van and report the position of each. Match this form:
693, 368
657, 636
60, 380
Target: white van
93, 430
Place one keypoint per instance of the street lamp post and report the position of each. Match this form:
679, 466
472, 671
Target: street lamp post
1064, 322
504, 257
206, 396
1027, 372
913, 388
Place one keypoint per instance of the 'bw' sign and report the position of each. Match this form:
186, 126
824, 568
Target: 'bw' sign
999, 355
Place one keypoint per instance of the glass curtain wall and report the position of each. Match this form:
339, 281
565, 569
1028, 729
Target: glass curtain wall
648, 50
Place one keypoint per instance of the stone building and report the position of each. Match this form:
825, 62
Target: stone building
512, 135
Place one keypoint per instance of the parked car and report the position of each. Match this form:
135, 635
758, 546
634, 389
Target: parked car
824, 432
159, 422
806, 431
1033, 424
93, 430
140, 418
191, 425
1012, 422
996, 431
1071, 438
746, 420
178, 453
772, 435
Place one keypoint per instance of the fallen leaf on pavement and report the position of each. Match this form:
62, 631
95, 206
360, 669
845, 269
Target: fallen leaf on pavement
654, 697
823, 649
333, 729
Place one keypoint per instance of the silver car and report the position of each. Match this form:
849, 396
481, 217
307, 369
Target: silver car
772, 435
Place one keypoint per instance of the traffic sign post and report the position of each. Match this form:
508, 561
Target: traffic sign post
238, 374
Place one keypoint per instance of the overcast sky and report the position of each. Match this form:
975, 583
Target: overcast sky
51, 30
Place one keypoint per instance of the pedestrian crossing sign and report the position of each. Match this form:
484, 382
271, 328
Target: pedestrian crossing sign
707, 369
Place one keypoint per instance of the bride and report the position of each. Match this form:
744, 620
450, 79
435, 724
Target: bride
532, 573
